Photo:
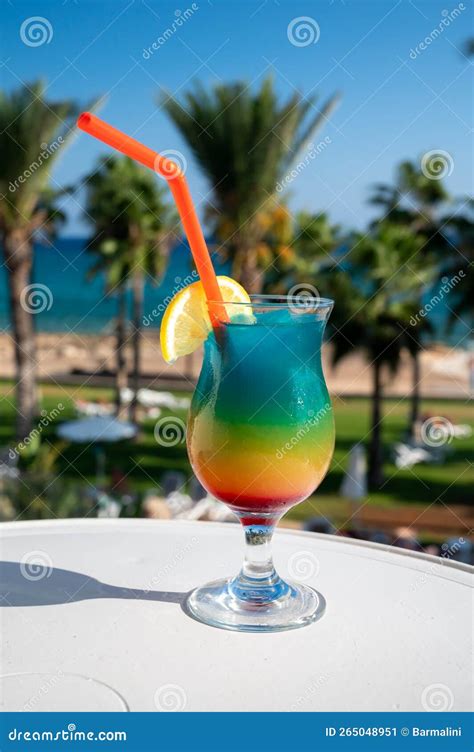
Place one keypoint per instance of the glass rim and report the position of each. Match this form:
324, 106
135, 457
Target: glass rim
302, 302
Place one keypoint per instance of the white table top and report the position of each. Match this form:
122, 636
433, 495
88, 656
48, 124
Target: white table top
99, 625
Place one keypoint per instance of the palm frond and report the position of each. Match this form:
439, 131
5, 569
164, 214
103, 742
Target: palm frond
243, 141
34, 133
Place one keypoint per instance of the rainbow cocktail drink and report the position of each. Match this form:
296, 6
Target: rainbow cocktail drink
260, 438
261, 432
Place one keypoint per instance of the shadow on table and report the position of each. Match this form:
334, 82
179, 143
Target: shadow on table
35, 585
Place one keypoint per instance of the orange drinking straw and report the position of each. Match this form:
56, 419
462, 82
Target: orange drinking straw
180, 190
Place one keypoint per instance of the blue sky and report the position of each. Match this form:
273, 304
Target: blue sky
393, 107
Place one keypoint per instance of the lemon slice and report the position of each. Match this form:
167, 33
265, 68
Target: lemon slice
186, 323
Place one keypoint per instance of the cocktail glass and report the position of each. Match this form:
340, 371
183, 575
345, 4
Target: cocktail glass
260, 438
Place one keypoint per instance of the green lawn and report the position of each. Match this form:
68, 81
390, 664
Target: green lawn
144, 461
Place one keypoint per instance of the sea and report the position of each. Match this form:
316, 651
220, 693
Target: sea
65, 298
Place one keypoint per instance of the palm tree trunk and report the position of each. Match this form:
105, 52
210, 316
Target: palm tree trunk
18, 257
189, 368
415, 393
250, 276
137, 312
375, 469
121, 369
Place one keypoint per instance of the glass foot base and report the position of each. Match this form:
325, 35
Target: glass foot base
222, 604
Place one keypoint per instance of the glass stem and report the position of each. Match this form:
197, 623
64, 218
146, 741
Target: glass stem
258, 582
258, 561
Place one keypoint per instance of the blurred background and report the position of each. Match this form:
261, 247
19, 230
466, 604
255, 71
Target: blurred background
328, 150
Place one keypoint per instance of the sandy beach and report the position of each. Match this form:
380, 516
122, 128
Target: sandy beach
90, 358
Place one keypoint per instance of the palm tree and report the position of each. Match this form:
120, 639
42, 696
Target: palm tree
415, 201
33, 133
414, 338
307, 252
273, 252
469, 47
375, 299
315, 243
459, 263
133, 227
109, 264
371, 277
245, 144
